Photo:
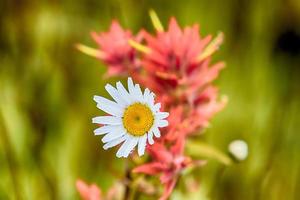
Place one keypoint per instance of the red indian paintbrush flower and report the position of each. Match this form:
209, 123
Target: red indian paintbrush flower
190, 119
177, 62
88, 192
178, 69
168, 163
93, 192
115, 50
177, 65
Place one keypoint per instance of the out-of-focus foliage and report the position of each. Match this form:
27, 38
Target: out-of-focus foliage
46, 89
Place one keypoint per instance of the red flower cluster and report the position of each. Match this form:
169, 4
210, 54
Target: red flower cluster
93, 192
175, 65
115, 49
87, 192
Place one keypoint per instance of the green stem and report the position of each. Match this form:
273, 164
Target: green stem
12, 163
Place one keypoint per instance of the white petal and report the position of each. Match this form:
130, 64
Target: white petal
156, 132
115, 142
138, 92
157, 107
132, 143
130, 86
162, 123
162, 115
123, 92
107, 120
115, 95
142, 144
151, 99
146, 95
150, 137
121, 150
108, 106
114, 134
152, 108
103, 130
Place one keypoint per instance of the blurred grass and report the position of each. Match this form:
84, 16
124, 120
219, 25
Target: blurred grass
46, 89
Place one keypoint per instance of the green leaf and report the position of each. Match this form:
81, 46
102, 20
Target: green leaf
201, 149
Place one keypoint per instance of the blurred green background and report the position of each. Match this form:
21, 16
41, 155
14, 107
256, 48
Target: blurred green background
46, 89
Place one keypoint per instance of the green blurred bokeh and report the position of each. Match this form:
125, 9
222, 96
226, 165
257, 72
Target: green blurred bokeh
46, 89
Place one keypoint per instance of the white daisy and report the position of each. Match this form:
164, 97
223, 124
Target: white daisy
134, 118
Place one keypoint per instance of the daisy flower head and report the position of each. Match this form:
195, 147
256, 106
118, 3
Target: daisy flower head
134, 118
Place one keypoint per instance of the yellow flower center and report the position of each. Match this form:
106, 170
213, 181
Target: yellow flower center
138, 119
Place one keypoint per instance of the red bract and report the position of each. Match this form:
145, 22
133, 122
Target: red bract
93, 192
88, 192
196, 116
115, 50
177, 64
174, 50
168, 163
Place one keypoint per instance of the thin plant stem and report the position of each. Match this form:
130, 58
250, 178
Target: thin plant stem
12, 163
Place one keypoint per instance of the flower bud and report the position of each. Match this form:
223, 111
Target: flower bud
238, 149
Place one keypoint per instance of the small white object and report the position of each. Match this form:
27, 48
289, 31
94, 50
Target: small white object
239, 149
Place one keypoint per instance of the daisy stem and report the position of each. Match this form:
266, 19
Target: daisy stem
127, 181
131, 185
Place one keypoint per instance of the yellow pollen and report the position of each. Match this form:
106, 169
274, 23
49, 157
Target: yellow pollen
138, 119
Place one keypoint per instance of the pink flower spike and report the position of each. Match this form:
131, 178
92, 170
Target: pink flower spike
169, 187
150, 168
120, 56
87, 192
